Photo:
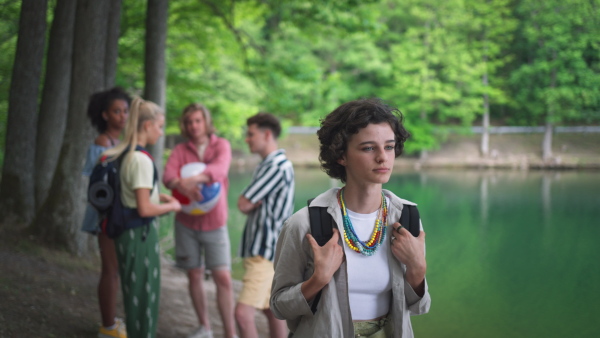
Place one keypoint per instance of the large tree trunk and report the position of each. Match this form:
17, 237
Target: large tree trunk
17, 189
155, 66
55, 97
58, 221
112, 43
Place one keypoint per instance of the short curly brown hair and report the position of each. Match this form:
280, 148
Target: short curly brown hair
346, 120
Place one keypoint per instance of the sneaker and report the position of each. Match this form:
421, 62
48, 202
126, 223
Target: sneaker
201, 332
118, 331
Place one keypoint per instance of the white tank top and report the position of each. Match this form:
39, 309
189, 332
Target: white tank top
369, 279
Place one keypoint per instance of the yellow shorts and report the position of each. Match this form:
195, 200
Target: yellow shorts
256, 290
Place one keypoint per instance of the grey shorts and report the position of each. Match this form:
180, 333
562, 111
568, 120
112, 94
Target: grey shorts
196, 249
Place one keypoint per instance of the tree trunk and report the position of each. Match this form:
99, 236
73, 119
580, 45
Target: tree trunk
55, 97
155, 66
485, 135
112, 43
17, 189
547, 143
424, 83
58, 221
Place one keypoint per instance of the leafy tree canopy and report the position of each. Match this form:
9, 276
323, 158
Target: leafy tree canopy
300, 59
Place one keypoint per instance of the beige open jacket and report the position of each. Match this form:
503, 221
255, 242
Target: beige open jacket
294, 265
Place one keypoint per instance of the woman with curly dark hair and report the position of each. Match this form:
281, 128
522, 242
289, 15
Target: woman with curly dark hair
370, 276
108, 111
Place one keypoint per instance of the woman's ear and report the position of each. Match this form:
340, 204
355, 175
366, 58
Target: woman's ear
105, 115
342, 161
147, 124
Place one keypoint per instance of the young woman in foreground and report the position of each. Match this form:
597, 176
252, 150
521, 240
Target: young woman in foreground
371, 274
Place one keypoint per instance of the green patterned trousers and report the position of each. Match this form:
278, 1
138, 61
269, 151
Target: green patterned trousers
139, 267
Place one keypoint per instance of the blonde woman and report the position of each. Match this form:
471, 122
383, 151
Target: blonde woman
137, 248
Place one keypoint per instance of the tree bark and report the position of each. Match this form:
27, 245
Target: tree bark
485, 135
155, 66
17, 189
547, 142
112, 43
55, 97
58, 221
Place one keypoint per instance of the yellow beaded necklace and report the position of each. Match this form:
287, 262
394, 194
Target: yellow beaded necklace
370, 247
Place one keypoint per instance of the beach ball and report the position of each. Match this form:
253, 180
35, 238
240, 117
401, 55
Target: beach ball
210, 192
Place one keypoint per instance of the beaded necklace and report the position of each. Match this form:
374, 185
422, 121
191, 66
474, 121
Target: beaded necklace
370, 247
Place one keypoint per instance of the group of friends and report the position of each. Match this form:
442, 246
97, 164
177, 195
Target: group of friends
366, 281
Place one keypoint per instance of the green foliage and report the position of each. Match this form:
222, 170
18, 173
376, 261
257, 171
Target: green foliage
557, 76
300, 59
9, 26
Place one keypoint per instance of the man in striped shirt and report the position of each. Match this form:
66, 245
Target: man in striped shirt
268, 201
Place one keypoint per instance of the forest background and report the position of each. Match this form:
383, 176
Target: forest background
448, 65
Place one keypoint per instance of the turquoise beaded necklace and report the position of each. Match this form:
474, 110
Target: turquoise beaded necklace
369, 247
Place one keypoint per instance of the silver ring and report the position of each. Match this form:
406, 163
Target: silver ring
393, 238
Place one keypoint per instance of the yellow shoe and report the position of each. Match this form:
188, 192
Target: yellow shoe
117, 332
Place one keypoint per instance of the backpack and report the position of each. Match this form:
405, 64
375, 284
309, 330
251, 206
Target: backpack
321, 228
104, 194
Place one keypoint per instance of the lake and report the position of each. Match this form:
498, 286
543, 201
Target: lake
509, 253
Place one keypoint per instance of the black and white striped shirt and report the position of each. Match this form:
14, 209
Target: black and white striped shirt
273, 184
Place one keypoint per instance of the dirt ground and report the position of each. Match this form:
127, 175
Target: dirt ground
48, 293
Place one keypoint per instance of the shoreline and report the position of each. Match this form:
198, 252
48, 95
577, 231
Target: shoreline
571, 151
507, 152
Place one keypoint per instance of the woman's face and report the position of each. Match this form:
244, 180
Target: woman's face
116, 114
369, 157
195, 126
154, 129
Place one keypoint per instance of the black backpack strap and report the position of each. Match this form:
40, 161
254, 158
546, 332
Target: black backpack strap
129, 217
155, 185
410, 219
321, 223
321, 228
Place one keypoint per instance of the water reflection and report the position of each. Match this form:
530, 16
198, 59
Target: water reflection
546, 197
510, 253
484, 199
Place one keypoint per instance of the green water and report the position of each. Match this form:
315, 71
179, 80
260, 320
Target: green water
510, 254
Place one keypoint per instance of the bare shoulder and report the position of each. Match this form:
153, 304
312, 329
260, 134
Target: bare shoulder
103, 140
